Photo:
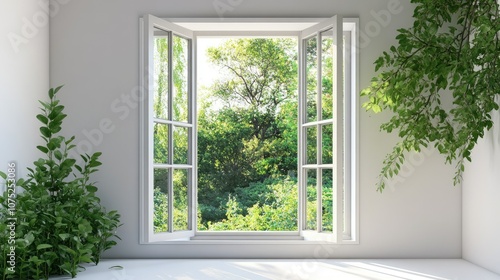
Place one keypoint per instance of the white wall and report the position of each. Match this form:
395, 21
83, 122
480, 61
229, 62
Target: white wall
481, 197
95, 53
24, 79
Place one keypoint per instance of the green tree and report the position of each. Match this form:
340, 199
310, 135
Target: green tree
254, 134
260, 74
248, 132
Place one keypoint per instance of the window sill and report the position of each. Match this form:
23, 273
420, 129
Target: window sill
248, 238
250, 242
247, 235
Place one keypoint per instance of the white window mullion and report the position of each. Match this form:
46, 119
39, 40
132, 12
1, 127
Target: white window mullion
338, 131
318, 123
192, 136
174, 123
347, 135
319, 134
146, 128
170, 151
170, 184
302, 152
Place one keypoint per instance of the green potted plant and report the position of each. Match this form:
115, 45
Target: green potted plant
56, 222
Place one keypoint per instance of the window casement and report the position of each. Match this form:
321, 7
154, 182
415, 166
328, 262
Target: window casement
327, 138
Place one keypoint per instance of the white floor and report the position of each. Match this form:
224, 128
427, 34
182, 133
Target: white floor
383, 269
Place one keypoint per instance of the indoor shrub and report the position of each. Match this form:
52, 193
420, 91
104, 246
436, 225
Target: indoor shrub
58, 220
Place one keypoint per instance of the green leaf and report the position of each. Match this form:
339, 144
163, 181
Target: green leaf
42, 149
376, 108
43, 246
58, 155
59, 118
67, 250
67, 267
51, 93
91, 189
85, 259
29, 238
57, 89
3, 175
95, 163
51, 146
64, 236
42, 118
55, 127
79, 168
45, 105
96, 155
45, 131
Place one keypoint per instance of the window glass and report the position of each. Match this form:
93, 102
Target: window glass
161, 72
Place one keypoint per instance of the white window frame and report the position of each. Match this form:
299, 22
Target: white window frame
346, 185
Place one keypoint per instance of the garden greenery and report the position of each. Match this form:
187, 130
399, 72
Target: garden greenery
246, 137
59, 222
450, 53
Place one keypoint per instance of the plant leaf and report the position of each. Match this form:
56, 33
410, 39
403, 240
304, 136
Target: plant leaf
42, 118
45, 131
91, 189
43, 246
42, 149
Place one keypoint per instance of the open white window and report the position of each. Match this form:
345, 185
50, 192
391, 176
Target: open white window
168, 166
326, 152
321, 131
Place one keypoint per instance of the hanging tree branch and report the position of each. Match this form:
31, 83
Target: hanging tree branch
451, 49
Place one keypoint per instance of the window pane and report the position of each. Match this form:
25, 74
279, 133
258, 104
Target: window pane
181, 145
327, 145
181, 209
160, 61
312, 198
311, 134
327, 200
180, 78
312, 78
160, 140
327, 74
160, 198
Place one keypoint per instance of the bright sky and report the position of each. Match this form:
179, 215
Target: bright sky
206, 71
